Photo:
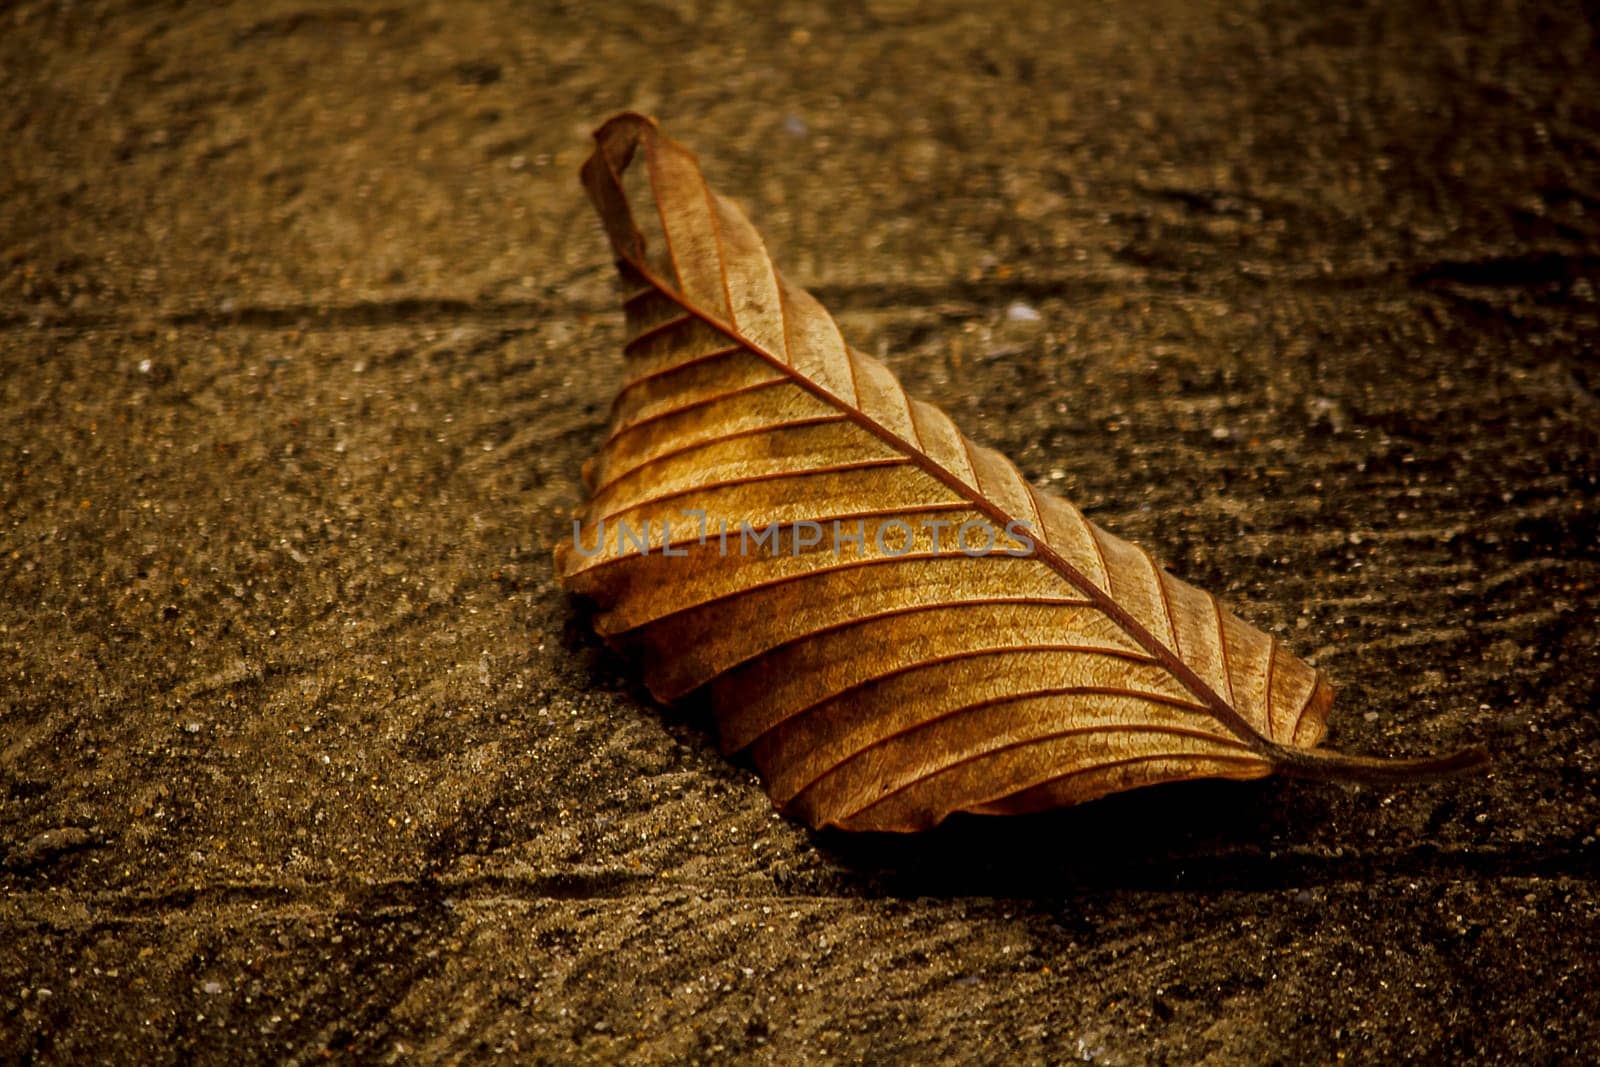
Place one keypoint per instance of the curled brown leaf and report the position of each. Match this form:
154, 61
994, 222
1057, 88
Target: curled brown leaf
764, 524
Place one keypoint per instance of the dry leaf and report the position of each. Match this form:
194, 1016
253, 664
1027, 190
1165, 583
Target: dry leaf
891, 677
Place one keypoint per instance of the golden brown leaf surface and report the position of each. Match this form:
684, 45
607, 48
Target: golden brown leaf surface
884, 684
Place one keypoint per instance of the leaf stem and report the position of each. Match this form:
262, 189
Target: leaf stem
1327, 765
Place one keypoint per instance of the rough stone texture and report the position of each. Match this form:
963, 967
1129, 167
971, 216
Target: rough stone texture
307, 330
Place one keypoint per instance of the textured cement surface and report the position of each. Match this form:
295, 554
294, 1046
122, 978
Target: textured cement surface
305, 330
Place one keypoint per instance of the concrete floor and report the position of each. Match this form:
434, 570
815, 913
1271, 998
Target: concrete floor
306, 328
